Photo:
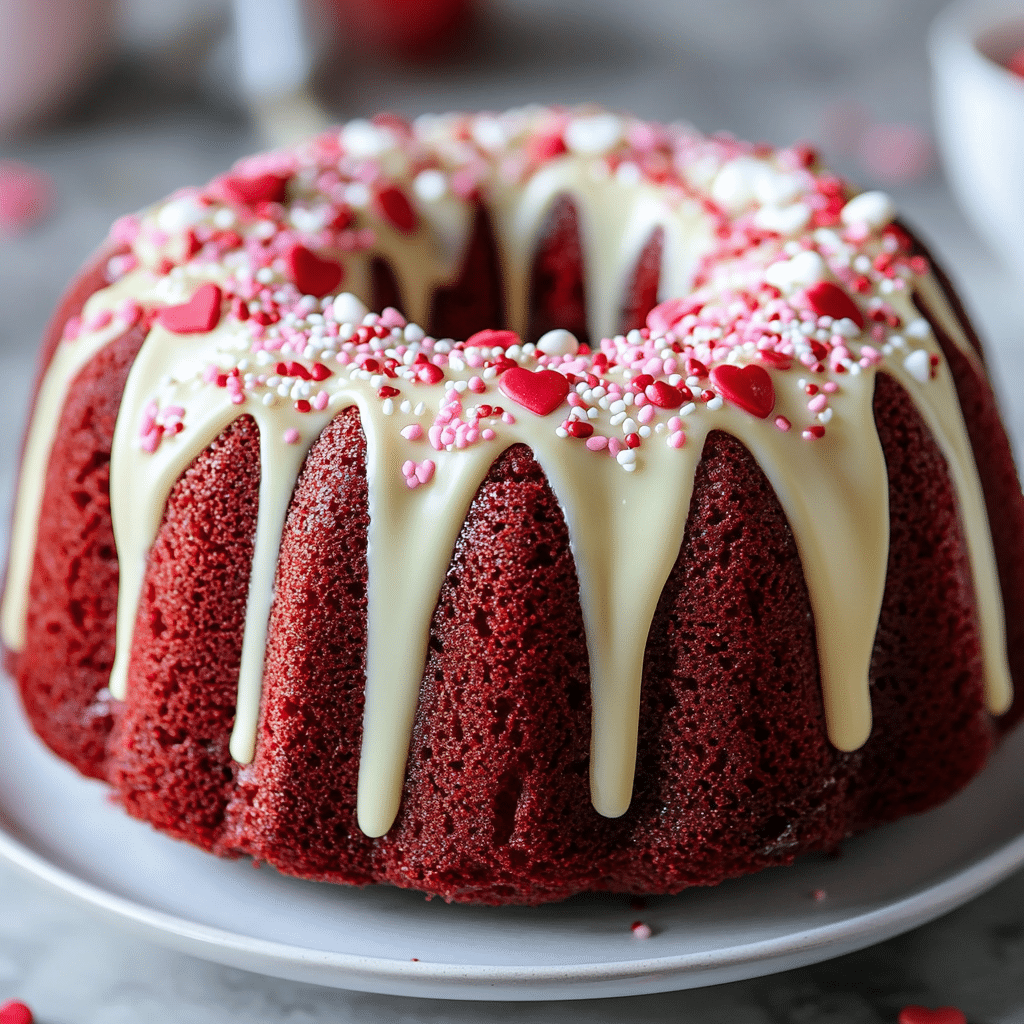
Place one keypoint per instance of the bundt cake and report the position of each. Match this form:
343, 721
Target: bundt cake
682, 538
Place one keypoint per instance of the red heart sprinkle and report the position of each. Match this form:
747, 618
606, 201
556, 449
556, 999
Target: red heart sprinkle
541, 392
263, 188
922, 1015
776, 359
748, 387
394, 207
493, 339
197, 316
312, 274
828, 299
15, 1012
664, 396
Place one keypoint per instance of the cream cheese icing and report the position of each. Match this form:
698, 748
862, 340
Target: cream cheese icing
781, 300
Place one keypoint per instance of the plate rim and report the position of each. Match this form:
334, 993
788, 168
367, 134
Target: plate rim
425, 978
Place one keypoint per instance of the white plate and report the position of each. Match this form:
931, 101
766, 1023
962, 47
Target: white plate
62, 829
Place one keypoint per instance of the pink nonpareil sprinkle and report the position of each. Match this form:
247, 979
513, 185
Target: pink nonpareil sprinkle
413, 432
290, 436
641, 930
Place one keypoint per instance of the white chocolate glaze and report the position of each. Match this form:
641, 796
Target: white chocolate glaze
427, 453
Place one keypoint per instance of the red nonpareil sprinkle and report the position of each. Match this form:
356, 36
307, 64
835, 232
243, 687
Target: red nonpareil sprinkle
428, 373
197, 316
813, 433
828, 299
394, 206
15, 1012
292, 370
387, 391
302, 405
540, 391
923, 1015
579, 428
632, 440
371, 365
492, 339
319, 372
342, 219
546, 146
695, 368
261, 188
313, 274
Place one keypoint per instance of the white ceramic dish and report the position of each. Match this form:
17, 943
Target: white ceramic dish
979, 113
61, 829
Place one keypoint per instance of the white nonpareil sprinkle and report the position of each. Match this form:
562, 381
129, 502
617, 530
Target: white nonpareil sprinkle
348, 309
181, 213
871, 209
919, 328
558, 342
430, 185
918, 365
733, 187
362, 138
593, 135
308, 220
786, 220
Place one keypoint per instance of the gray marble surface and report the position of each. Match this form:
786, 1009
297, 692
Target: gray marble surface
775, 71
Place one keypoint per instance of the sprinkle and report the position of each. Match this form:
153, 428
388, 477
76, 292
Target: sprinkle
291, 436
413, 432
918, 365
15, 1012
782, 423
558, 342
641, 930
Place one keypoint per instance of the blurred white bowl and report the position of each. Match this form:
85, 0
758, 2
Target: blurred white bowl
979, 109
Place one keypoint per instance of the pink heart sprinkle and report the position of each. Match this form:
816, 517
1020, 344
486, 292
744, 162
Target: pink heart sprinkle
197, 316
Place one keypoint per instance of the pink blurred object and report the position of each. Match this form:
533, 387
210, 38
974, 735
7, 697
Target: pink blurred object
26, 197
896, 153
404, 27
49, 50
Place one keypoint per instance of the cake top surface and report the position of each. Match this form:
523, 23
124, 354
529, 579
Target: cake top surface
781, 297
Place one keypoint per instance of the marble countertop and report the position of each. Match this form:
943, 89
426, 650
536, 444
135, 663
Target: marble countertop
791, 69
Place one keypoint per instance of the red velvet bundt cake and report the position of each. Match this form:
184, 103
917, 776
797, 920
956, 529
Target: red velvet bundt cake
682, 538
